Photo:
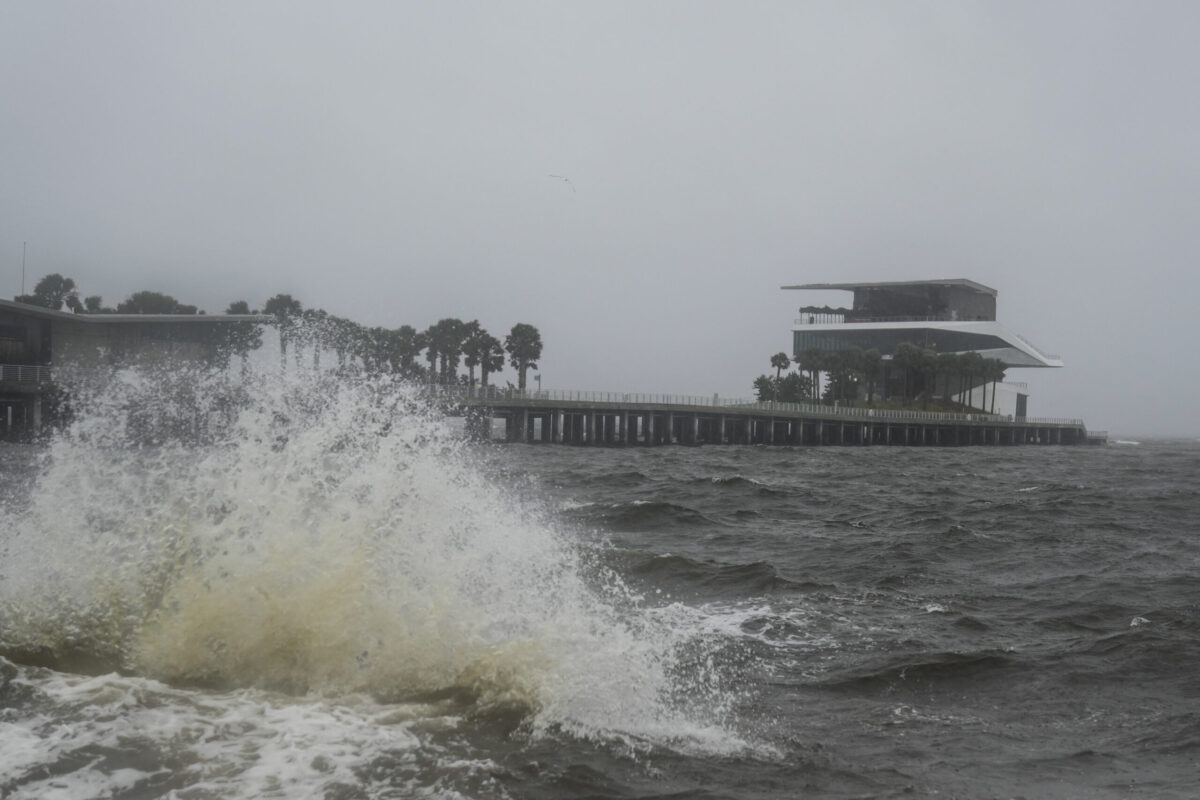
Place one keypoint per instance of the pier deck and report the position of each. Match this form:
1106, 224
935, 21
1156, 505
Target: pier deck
603, 418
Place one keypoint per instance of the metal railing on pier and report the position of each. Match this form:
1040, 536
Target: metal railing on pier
497, 395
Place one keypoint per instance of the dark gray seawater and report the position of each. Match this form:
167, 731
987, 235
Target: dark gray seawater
975, 622
982, 622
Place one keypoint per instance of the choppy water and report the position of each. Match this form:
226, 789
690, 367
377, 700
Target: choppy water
325, 595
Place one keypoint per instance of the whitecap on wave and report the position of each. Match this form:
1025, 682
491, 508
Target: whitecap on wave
325, 539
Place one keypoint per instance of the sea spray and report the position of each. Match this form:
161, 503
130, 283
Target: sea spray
326, 535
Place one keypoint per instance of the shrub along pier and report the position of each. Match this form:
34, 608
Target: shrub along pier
605, 418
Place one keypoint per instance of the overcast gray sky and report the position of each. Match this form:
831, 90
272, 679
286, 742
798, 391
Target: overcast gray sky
391, 162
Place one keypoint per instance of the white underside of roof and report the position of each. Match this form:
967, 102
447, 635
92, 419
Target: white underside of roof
1019, 353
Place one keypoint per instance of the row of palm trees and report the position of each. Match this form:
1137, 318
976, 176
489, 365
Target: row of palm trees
913, 373
445, 345
924, 367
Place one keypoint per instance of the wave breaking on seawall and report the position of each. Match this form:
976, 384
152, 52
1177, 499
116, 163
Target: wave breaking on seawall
327, 536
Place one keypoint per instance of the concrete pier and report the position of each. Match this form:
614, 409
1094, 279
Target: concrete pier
610, 419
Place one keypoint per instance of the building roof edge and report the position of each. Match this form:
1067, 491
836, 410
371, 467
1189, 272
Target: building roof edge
69, 316
964, 282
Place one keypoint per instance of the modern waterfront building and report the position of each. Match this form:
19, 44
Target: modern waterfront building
947, 315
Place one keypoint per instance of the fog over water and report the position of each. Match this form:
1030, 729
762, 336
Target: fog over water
393, 163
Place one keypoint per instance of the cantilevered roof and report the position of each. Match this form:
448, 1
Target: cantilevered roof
979, 287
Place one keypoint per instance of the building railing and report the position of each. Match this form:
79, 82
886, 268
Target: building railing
1036, 349
841, 318
494, 394
24, 373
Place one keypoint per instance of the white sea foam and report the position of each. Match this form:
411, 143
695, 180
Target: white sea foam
245, 743
326, 539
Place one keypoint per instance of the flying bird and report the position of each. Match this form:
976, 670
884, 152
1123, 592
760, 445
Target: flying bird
565, 180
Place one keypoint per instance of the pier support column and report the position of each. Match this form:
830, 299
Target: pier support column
721, 430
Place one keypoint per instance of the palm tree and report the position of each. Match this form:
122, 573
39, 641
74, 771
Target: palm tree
491, 358
315, 328
524, 346
473, 338
430, 337
780, 362
946, 366
448, 335
973, 367
907, 358
361, 343
812, 361
340, 334
405, 344
286, 310
996, 369
870, 363
243, 337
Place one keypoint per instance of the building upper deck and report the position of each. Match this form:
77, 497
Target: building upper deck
940, 300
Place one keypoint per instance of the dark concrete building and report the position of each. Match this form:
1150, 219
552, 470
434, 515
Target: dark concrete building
36, 341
